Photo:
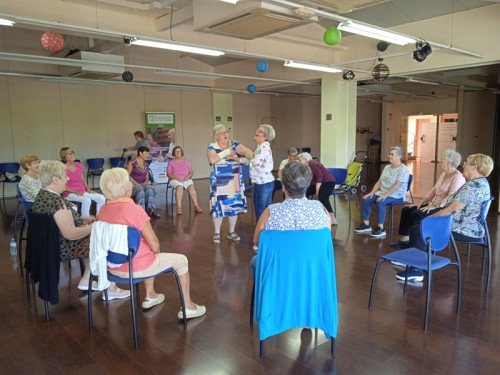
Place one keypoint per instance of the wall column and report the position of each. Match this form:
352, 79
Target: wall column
338, 121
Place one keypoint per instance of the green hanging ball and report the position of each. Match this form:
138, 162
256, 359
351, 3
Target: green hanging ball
332, 36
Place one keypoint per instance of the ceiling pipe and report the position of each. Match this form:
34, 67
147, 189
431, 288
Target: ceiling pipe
344, 19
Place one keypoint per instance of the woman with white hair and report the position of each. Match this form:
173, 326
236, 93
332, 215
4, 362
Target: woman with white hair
390, 188
448, 183
227, 188
74, 229
261, 169
148, 261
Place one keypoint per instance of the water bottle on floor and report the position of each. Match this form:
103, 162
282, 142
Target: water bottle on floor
13, 246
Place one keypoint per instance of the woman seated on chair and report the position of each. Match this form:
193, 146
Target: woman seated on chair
30, 184
296, 212
179, 172
448, 183
77, 189
322, 183
148, 261
390, 188
74, 229
466, 203
142, 192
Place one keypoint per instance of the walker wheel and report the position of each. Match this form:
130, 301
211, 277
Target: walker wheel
363, 188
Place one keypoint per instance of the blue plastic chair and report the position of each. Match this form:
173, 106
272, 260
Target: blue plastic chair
340, 175
436, 233
96, 168
484, 242
117, 162
134, 240
391, 206
13, 169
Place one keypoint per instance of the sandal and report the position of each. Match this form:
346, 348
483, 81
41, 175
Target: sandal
154, 215
198, 210
179, 211
216, 238
233, 236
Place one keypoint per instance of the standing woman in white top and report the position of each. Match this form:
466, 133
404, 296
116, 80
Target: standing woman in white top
261, 169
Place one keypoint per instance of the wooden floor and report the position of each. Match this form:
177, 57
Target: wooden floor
387, 340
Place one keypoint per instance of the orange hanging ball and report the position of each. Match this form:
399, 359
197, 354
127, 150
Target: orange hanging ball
52, 41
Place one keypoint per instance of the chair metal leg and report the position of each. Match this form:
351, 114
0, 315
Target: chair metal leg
20, 248
89, 302
47, 315
391, 218
332, 349
261, 348
28, 293
132, 305
82, 267
181, 295
406, 279
428, 300
374, 278
488, 243
252, 304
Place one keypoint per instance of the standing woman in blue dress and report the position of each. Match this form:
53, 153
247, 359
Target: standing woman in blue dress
227, 188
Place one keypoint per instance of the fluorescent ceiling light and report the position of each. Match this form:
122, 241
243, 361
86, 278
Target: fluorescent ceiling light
308, 66
230, 1
424, 81
178, 47
6, 22
375, 33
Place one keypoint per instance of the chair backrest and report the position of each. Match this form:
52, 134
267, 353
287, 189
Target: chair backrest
96, 163
306, 149
340, 174
117, 162
410, 180
484, 210
134, 240
9, 168
438, 229
295, 270
24, 203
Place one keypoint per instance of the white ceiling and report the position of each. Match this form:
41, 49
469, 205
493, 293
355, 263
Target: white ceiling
24, 40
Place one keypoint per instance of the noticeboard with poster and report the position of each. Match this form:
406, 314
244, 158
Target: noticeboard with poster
160, 127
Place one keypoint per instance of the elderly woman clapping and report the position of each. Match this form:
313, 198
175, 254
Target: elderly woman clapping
390, 188
74, 229
121, 209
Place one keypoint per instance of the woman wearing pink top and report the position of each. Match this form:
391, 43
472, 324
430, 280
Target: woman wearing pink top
448, 183
179, 172
76, 188
121, 209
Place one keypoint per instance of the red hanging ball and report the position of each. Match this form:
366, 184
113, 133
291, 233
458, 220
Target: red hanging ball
52, 41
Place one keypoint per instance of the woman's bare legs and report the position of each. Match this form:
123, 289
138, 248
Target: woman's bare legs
179, 191
194, 197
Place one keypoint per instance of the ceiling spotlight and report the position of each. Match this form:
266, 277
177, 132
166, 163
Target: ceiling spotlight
423, 50
348, 75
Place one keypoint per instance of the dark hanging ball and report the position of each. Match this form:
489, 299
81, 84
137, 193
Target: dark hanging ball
127, 76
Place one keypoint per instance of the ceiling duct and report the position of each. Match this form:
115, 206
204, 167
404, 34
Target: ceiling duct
247, 19
94, 66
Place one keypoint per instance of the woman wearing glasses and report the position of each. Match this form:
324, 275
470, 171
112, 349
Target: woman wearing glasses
390, 188
466, 203
227, 188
